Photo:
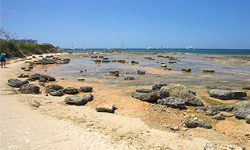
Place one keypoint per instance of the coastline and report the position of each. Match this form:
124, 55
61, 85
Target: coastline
135, 122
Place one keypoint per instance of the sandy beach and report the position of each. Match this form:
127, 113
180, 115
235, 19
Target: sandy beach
135, 124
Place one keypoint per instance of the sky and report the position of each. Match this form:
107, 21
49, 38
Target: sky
139, 23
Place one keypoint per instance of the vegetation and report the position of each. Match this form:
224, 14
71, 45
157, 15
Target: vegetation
13, 48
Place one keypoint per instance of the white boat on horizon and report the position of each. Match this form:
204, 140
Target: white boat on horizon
190, 47
150, 48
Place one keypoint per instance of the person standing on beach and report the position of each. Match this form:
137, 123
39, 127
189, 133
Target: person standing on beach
3, 60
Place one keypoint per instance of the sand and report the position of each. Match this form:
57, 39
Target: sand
135, 124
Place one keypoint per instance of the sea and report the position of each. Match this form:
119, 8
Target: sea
195, 51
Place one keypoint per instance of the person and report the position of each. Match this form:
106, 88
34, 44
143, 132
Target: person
3, 60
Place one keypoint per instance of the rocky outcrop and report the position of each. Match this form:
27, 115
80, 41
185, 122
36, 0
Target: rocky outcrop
16, 83
246, 84
247, 119
54, 87
70, 90
129, 78
86, 89
194, 122
219, 116
222, 108
38, 76
79, 100
158, 86
242, 114
56, 93
172, 102
182, 92
208, 71
146, 95
201, 109
241, 106
221, 146
140, 72
114, 72
226, 94
186, 69
29, 89
212, 112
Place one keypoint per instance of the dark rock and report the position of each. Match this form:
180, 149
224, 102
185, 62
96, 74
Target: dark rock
105, 61
194, 122
247, 119
221, 146
29, 89
114, 72
97, 61
23, 68
78, 100
209, 70
163, 65
144, 90
86, 89
186, 69
93, 56
219, 116
129, 78
55, 87
241, 105
246, 84
168, 69
226, 94
182, 92
20, 75
222, 108
56, 93
34, 77
158, 86
201, 109
140, 72
172, 62
145, 96
242, 114
172, 102
25, 76
42, 80
121, 61
41, 84
70, 90
16, 83
212, 111
27, 69
134, 62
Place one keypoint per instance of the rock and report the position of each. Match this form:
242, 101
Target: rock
27, 69
194, 122
201, 109
172, 102
242, 114
121, 61
134, 62
70, 90
246, 84
20, 75
163, 65
226, 94
25, 76
86, 89
222, 108
241, 105
114, 72
182, 92
219, 116
42, 80
106, 108
172, 62
209, 70
175, 128
158, 86
41, 84
56, 93
129, 78
80, 79
220, 146
186, 69
152, 96
168, 69
78, 100
144, 90
105, 61
140, 72
247, 119
16, 83
212, 111
29, 89
55, 87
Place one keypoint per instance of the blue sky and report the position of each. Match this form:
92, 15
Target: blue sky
140, 23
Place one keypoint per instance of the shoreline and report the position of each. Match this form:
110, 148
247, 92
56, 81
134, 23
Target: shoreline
124, 125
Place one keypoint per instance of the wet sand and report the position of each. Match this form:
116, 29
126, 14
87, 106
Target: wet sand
137, 123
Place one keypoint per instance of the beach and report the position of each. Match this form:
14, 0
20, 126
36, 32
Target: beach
42, 121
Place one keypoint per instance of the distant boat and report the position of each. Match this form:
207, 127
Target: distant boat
73, 45
190, 47
122, 45
150, 48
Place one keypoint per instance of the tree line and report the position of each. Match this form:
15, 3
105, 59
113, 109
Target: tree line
11, 46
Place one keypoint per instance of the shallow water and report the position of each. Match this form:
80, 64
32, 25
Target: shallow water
225, 76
